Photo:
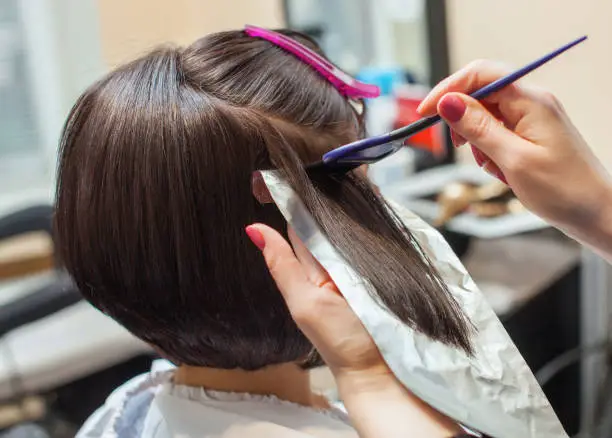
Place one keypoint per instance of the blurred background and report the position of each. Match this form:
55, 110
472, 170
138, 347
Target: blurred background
59, 358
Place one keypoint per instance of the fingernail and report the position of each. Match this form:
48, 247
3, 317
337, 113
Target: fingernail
420, 107
452, 108
494, 172
256, 237
457, 140
479, 156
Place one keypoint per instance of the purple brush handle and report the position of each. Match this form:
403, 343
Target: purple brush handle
331, 157
513, 77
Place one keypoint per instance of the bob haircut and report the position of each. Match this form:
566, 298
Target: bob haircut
154, 192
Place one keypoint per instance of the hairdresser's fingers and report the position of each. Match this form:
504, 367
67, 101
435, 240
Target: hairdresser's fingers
315, 272
457, 140
495, 112
479, 156
492, 169
467, 80
324, 317
488, 165
285, 268
471, 120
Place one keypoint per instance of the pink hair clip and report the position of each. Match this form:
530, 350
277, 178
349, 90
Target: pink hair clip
344, 83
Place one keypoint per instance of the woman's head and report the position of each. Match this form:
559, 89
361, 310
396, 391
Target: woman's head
154, 193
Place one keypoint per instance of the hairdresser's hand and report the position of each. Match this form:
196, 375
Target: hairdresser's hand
376, 401
523, 136
315, 304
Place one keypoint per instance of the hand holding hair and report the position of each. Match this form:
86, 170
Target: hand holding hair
376, 401
523, 136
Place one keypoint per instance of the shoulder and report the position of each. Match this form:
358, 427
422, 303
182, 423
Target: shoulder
127, 407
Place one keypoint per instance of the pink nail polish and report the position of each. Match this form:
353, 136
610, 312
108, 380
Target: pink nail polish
500, 176
457, 140
256, 237
479, 156
452, 108
494, 171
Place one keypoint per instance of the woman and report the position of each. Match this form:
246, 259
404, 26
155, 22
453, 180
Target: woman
551, 169
155, 189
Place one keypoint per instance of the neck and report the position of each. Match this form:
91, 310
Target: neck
286, 381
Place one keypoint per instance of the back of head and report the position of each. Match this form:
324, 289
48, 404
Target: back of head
154, 193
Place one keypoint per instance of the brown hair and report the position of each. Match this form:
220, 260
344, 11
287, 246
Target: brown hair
154, 192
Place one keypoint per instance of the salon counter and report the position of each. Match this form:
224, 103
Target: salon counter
511, 271
26, 254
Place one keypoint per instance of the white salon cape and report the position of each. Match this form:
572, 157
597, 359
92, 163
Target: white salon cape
151, 406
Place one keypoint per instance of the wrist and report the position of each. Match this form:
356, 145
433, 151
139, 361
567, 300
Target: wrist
602, 229
597, 233
605, 218
373, 379
379, 405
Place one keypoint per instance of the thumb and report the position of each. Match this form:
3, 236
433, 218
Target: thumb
286, 270
472, 121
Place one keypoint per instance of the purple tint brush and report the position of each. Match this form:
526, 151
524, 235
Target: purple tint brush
370, 150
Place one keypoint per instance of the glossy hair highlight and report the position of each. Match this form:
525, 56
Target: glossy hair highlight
154, 192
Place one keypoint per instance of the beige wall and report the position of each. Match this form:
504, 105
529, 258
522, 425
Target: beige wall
518, 31
130, 27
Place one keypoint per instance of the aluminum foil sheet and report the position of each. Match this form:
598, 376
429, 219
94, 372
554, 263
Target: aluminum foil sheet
493, 391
